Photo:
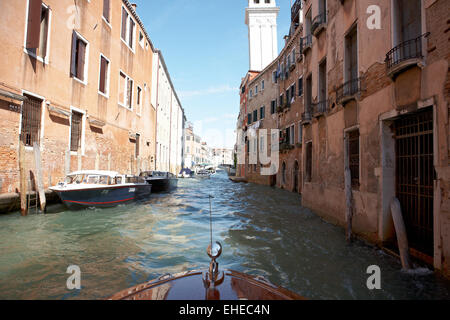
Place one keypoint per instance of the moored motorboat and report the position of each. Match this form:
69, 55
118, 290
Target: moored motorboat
203, 174
160, 181
95, 188
186, 173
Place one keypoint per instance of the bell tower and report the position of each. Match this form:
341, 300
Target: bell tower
261, 19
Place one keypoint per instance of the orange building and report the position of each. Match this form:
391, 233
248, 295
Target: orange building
76, 80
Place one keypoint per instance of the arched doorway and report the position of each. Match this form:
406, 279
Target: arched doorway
283, 174
296, 176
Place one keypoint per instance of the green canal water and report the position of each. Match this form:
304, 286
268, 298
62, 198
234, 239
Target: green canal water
264, 231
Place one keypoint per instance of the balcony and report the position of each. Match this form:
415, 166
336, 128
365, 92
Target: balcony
404, 56
350, 90
305, 43
285, 146
295, 9
319, 23
306, 117
285, 106
319, 108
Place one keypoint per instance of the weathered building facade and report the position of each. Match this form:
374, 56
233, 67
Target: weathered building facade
77, 80
370, 89
170, 119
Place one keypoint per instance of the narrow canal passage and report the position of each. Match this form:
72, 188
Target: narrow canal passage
264, 231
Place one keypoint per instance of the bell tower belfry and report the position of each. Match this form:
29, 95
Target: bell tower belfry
261, 19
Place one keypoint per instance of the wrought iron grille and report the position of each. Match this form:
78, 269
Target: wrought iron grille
415, 177
410, 49
75, 131
353, 156
320, 107
31, 121
349, 88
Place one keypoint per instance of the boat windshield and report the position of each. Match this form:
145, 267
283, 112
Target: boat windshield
97, 179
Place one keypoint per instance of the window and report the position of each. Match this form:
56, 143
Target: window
249, 117
292, 93
103, 85
76, 129
262, 85
281, 100
255, 115
38, 24
308, 168
273, 106
251, 93
106, 10
139, 100
256, 90
353, 156
31, 120
323, 81
80, 53
283, 172
128, 29
292, 135
300, 86
262, 112
351, 56
138, 142
274, 76
141, 39
187, 149
300, 133
308, 97
126, 91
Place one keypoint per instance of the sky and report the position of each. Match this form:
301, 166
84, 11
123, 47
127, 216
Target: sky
205, 47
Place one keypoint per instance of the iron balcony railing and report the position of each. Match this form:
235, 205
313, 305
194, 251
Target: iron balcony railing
305, 43
410, 49
320, 108
349, 89
306, 116
318, 21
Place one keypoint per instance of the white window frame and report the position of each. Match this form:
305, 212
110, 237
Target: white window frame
127, 33
83, 129
122, 103
262, 85
108, 75
141, 42
86, 60
49, 32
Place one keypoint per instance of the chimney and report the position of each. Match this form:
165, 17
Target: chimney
134, 5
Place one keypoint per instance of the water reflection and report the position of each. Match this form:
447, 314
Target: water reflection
263, 231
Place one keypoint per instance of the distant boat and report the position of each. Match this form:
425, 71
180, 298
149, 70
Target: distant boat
160, 181
203, 174
186, 173
104, 189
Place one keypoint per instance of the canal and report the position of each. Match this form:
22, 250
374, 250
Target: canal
264, 231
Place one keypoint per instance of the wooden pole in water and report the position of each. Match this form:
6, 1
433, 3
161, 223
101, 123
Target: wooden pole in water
23, 179
400, 231
38, 177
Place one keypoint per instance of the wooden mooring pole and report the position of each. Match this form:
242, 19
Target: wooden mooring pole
400, 231
23, 179
38, 176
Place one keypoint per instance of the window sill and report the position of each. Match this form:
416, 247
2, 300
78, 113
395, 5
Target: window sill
125, 107
80, 81
131, 49
106, 22
103, 94
38, 58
